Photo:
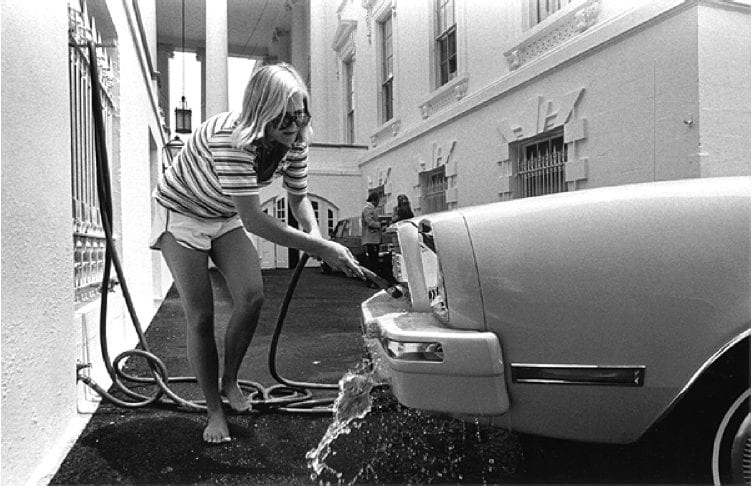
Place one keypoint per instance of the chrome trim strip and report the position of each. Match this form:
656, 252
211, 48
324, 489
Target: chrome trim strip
578, 374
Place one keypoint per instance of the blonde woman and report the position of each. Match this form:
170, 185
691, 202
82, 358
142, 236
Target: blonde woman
208, 198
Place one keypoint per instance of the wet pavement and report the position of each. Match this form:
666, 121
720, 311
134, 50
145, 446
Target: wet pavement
321, 341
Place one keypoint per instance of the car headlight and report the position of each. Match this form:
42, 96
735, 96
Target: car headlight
433, 274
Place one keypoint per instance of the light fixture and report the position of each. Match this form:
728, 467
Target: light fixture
171, 150
183, 113
173, 147
413, 351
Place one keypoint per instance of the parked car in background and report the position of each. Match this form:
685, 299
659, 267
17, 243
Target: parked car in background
347, 231
597, 315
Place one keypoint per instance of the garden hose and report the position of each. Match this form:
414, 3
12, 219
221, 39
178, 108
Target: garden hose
288, 396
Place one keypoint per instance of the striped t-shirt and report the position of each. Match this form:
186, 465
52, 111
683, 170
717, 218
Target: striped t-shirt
210, 170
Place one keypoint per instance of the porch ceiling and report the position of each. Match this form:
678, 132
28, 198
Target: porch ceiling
250, 23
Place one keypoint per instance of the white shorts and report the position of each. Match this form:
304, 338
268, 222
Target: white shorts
190, 232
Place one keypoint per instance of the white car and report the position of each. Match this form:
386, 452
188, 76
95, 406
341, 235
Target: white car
592, 315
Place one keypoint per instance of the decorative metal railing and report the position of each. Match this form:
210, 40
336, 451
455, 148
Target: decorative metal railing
88, 236
543, 174
434, 183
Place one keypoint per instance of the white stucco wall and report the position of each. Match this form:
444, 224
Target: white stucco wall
38, 343
42, 331
637, 91
724, 90
136, 166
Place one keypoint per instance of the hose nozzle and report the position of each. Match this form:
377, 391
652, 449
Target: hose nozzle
382, 283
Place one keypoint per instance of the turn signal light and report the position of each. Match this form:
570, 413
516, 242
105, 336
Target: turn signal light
414, 351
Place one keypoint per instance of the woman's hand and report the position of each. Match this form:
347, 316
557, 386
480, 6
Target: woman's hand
339, 257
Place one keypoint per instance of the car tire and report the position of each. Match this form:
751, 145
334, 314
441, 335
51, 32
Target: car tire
325, 268
731, 446
702, 441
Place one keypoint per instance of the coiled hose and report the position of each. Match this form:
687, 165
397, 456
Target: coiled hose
288, 396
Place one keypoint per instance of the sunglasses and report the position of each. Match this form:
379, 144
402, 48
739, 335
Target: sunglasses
300, 118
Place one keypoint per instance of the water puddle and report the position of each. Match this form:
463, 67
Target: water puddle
373, 440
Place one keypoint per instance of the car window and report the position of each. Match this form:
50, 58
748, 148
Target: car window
356, 226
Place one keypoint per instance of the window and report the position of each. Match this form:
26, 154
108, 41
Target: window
387, 69
329, 222
281, 209
446, 41
89, 242
315, 206
540, 166
349, 102
433, 183
544, 8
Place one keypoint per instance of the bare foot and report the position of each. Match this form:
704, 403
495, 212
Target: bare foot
235, 396
216, 431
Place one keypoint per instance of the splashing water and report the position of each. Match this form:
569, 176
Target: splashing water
353, 402
400, 445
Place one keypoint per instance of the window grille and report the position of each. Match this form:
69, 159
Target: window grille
89, 241
545, 8
540, 167
434, 186
446, 41
349, 102
387, 70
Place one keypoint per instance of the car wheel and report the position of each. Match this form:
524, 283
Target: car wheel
704, 439
731, 447
325, 268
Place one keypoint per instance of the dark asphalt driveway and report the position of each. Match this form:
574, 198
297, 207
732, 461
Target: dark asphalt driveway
392, 445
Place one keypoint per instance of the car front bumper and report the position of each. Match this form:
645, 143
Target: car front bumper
469, 377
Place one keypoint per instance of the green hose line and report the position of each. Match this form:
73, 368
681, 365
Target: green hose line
288, 396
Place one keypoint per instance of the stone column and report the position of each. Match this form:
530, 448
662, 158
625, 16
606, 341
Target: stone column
201, 58
215, 60
165, 52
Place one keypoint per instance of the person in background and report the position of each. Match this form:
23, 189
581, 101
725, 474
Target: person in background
402, 210
370, 229
207, 200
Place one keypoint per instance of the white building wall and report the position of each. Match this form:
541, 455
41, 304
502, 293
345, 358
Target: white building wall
39, 348
137, 166
640, 71
43, 335
724, 90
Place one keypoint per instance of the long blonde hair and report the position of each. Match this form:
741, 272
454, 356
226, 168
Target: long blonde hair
267, 93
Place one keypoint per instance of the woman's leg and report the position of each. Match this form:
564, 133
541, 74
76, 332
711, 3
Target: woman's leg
190, 271
237, 260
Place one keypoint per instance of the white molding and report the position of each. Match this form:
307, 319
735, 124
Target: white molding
386, 131
552, 32
342, 36
444, 96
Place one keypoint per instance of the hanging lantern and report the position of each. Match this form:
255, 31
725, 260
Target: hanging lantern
183, 117
183, 113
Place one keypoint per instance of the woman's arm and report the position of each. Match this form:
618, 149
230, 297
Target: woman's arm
303, 211
261, 224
